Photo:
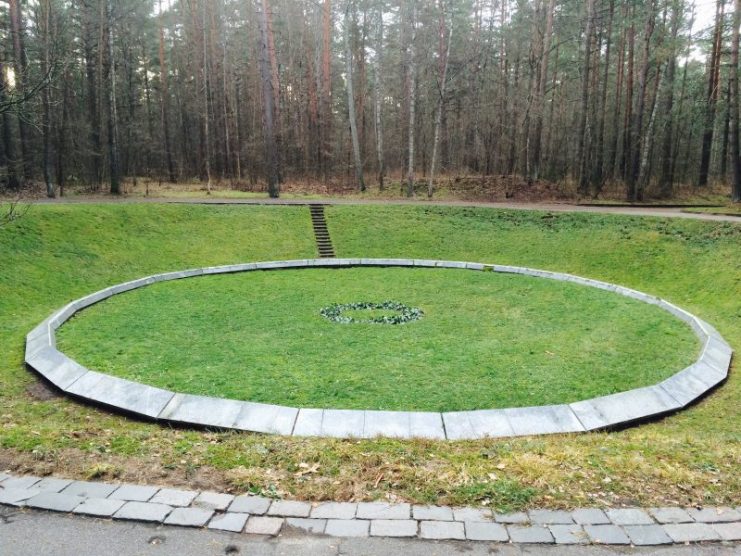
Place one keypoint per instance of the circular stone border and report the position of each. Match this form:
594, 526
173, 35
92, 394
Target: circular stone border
405, 314
605, 412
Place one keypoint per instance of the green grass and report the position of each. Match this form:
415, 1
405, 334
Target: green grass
485, 340
58, 253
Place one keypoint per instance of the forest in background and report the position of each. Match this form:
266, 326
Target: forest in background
597, 93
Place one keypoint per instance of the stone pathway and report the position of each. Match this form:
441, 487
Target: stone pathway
256, 515
321, 233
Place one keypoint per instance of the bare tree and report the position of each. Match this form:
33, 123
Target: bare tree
271, 155
412, 77
734, 108
351, 103
443, 75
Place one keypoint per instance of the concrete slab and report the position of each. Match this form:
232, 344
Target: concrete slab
691, 532
670, 515
426, 425
546, 419
201, 410
647, 535
134, 493
289, 508
390, 424
691, 383
347, 528
624, 407
590, 516
309, 525
568, 534
393, 528
174, 497
433, 513
230, 521
458, 425
308, 422
442, 530
629, 516
143, 511
606, 534
213, 500
550, 517
481, 531
343, 423
23, 482
718, 514
52, 484
258, 525
122, 394
54, 501
536, 534
99, 507
56, 367
382, 510
490, 423
17, 496
248, 504
271, 419
89, 489
334, 510
189, 517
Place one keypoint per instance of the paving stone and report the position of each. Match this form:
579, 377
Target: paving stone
548, 517
458, 425
590, 516
89, 489
20, 482
629, 516
259, 525
230, 521
189, 517
100, 507
309, 525
381, 510
691, 532
433, 513
213, 500
606, 534
490, 423
17, 496
133, 493
646, 535
174, 497
530, 534
426, 425
56, 367
568, 534
515, 517
54, 501
4, 476
334, 510
472, 514
143, 511
670, 515
692, 382
546, 419
393, 528
50, 484
347, 527
480, 531
118, 392
255, 505
442, 530
290, 508
728, 531
704, 515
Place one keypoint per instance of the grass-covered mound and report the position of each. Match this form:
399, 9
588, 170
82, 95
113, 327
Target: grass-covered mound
486, 339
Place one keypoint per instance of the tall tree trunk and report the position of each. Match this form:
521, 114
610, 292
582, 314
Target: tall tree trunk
636, 128
443, 76
583, 152
599, 170
205, 112
271, 156
326, 90
735, 160
378, 92
9, 150
712, 96
113, 160
20, 65
412, 69
46, 117
666, 185
540, 97
92, 69
165, 100
351, 104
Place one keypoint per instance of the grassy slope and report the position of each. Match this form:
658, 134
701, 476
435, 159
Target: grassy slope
57, 253
486, 340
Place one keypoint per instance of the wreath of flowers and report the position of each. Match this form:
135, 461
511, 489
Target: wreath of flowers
404, 313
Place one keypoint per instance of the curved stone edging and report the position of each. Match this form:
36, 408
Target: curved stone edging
616, 410
264, 516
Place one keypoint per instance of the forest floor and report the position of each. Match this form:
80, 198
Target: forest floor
58, 252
